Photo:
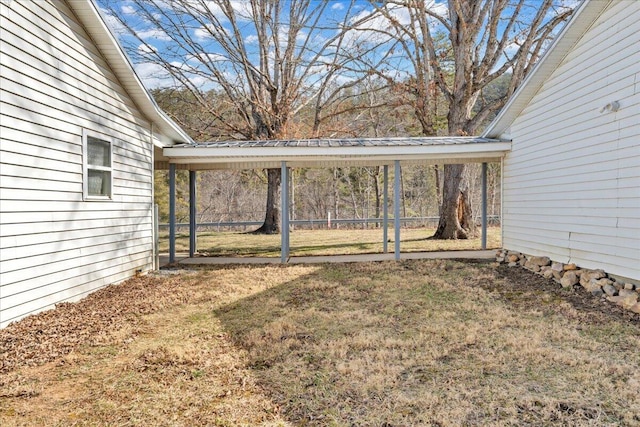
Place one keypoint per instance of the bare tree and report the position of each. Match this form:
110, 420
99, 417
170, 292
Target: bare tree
460, 49
266, 59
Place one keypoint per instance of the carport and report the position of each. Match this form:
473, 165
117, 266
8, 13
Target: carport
324, 153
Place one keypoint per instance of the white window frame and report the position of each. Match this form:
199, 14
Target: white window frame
86, 167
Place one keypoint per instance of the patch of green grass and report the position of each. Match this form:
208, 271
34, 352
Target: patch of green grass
322, 242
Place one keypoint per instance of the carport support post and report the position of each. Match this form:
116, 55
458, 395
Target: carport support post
484, 206
385, 209
396, 208
192, 213
172, 213
284, 213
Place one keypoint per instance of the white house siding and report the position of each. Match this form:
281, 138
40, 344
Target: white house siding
572, 179
54, 84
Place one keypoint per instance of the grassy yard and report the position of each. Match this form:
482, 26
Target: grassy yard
413, 343
323, 242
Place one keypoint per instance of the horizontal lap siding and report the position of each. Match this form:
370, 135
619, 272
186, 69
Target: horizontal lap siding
54, 246
572, 179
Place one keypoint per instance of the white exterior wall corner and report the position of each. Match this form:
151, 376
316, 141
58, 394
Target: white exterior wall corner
55, 85
572, 178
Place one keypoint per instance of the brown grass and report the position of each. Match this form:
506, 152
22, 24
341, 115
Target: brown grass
324, 242
442, 343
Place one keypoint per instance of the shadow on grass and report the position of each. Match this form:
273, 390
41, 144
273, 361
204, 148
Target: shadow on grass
341, 346
418, 343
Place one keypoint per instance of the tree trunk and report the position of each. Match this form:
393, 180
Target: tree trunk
438, 179
456, 221
376, 188
271, 223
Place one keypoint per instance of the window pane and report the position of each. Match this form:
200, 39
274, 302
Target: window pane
99, 183
98, 152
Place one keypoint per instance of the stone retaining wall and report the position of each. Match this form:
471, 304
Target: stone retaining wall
597, 282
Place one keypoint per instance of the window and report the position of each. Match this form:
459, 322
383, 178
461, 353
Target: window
97, 168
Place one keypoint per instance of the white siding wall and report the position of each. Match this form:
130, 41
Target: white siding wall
572, 180
53, 245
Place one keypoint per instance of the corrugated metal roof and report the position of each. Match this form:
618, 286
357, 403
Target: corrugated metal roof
347, 142
332, 152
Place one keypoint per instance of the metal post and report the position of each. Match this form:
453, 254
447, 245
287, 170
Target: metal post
484, 206
172, 213
192, 213
156, 238
385, 209
396, 208
284, 214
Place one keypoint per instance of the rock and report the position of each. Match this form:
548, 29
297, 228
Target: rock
591, 285
610, 290
635, 308
547, 272
569, 279
592, 274
540, 261
557, 266
618, 285
513, 258
570, 267
601, 282
532, 266
629, 286
557, 274
628, 293
500, 259
597, 292
626, 299
522, 261
513, 264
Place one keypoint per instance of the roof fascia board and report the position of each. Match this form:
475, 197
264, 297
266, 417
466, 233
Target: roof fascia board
583, 18
267, 163
292, 153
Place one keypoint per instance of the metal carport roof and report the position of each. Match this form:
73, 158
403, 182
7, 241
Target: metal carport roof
332, 152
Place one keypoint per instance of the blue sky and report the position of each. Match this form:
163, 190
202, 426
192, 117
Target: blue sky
154, 37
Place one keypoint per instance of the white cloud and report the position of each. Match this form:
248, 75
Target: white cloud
146, 49
206, 57
128, 10
251, 39
373, 24
155, 33
203, 34
153, 75
337, 6
113, 23
242, 9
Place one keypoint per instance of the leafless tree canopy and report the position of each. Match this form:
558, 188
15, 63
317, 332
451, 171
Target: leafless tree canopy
270, 69
460, 47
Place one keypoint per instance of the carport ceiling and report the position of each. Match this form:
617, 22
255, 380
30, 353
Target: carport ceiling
332, 152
